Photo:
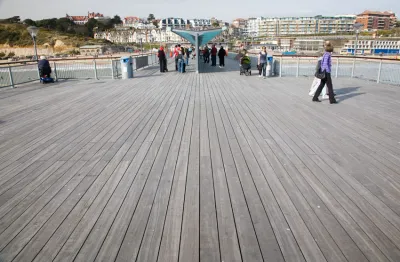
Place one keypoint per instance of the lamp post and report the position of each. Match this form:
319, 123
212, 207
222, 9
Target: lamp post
151, 40
252, 34
33, 30
141, 46
357, 29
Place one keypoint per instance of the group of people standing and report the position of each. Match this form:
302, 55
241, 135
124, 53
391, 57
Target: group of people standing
214, 53
181, 56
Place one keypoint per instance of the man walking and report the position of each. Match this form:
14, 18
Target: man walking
221, 55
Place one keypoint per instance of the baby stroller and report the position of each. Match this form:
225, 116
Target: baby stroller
245, 66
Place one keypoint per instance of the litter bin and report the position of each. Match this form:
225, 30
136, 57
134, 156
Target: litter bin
270, 61
127, 67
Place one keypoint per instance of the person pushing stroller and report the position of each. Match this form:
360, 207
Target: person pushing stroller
245, 64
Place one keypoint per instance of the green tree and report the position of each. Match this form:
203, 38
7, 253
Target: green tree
11, 54
116, 20
92, 23
29, 22
215, 24
151, 17
2, 54
47, 23
82, 30
398, 24
11, 20
155, 23
64, 24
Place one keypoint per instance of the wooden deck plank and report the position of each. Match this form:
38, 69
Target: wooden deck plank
151, 167
345, 202
190, 235
324, 240
99, 158
170, 241
209, 238
154, 229
80, 233
209, 167
272, 171
265, 235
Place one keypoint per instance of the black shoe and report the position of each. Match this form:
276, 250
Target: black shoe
333, 102
316, 100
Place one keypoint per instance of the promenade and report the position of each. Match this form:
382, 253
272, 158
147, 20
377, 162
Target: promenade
199, 167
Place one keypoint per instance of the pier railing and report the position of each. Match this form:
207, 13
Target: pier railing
18, 73
379, 70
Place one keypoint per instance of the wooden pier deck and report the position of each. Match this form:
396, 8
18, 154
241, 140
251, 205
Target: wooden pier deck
199, 167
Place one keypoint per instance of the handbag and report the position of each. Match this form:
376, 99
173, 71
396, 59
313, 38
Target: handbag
319, 73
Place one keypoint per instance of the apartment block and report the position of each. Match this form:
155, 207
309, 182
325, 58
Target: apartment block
374, 20
284, 26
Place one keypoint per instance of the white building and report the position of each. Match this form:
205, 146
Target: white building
308, 44
253, 26
372, 47
172, 22
137, 36
200, 22
306, 25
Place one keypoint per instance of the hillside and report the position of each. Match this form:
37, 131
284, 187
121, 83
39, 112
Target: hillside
16, 36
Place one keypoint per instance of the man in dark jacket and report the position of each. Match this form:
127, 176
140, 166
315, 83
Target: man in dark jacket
214, 56
162, 59
221, 55
44, 67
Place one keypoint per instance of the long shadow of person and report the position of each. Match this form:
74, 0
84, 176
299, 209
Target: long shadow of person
347, 96
346, 90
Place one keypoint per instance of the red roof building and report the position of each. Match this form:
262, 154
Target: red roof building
374, 20
81, 20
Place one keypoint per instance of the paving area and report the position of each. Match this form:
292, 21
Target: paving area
199, 167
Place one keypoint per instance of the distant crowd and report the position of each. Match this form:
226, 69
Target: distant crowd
182, 55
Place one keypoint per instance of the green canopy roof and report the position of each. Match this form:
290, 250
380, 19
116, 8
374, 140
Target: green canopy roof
198, 38
204, 36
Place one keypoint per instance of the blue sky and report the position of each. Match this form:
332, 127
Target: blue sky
225, 10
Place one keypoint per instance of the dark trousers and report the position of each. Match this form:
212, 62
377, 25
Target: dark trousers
206, 58
262, 69
176, 63
328, 81
163, 65
213, 60
222, 61
45, 71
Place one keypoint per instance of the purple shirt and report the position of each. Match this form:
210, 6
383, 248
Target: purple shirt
326, 63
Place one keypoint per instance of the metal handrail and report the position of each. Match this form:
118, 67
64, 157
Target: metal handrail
12, 75
378, 70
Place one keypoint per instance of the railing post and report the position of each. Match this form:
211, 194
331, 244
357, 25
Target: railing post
280, 66
353, 67
95, 69
38, 71
11, 77
112, 69
379, 72
297, 68
337, 67
55, 71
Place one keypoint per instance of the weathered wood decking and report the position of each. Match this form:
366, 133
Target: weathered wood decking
209, 167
